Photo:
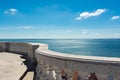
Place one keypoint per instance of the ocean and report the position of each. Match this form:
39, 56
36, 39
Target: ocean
88, 47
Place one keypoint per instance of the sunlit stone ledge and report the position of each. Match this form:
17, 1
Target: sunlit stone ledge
56, 66
94, 59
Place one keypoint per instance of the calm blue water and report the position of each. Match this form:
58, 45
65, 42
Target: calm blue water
94, 47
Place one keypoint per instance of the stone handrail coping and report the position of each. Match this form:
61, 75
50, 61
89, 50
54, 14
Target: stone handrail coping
40, 44
94, 59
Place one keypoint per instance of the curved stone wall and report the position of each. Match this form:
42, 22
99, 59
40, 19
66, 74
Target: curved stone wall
83, 66
59, 66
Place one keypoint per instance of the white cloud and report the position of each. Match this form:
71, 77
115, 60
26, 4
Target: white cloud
85, 15
115, 17
27, 27
84, 32
11, 11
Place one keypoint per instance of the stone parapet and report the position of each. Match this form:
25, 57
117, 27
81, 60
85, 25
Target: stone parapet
60, 66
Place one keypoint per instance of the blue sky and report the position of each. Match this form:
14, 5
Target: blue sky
59, 19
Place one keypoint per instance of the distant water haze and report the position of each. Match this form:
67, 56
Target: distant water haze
89, 47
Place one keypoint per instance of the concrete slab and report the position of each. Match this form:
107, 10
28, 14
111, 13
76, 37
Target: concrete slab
11, 67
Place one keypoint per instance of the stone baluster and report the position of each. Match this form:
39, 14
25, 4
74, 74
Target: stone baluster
57, 73
39, 71
116, 76
69, 75
51, 73
45, 71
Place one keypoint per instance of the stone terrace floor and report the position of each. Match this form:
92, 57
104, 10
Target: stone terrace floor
11, 66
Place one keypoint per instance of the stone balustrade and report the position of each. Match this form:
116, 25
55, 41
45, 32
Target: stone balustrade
60, 66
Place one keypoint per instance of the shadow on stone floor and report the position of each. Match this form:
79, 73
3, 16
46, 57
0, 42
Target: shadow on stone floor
30, 68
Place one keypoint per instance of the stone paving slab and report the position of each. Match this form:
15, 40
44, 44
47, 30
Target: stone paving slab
11, 67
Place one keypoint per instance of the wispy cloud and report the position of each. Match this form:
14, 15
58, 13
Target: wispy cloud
84, 31
85, 15
27, 27
11, 11
115, 17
